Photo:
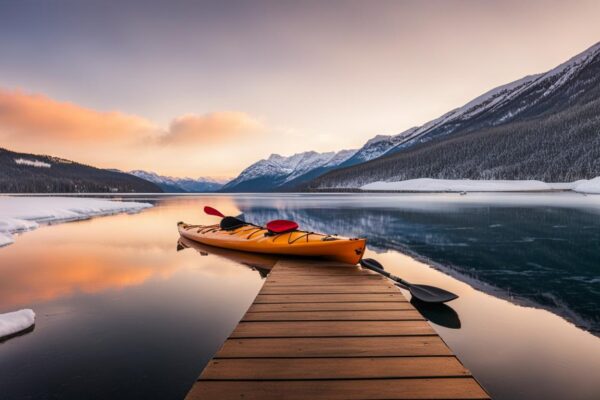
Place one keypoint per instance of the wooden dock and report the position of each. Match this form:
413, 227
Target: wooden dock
322, 330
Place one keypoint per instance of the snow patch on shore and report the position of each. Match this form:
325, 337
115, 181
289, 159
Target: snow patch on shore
467, 185
19, 214
585, 186
16, 321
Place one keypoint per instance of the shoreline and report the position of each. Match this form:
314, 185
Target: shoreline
18, 215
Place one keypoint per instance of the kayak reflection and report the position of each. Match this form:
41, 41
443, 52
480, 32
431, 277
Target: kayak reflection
262, 263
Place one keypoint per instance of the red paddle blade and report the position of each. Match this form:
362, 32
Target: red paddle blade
212, 211
281, 226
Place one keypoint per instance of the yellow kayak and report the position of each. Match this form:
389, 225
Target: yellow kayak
258, 239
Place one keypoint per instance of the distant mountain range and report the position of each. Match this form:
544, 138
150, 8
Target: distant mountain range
32, 173
180, 185
541, 127
281, 173
544, 126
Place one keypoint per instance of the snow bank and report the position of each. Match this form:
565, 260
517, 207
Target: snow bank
19, 214
462, 185
15, 322
591, 186
467, 185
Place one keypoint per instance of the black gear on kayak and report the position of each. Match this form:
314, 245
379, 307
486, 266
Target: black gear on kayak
231, 223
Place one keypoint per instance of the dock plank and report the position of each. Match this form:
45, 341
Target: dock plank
379, 346
353, 315
354, 289
369, 389
325, 330
344, 306
333, 368
331, 328
327, 280
327, 298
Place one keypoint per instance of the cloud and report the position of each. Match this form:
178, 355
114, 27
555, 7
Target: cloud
190, 145
28, 116
211, 128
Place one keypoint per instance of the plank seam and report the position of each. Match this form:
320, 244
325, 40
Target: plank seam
334, 379
217, 357
335, 336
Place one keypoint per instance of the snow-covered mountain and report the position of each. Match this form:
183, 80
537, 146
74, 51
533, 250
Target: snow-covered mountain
377, 146
543, 126
519, 107
522, 98
541, 85
279, 172
180, 185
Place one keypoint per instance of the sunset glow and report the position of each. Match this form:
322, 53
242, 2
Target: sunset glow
217, 86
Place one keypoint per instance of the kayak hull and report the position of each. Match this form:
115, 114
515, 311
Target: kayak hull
297, 243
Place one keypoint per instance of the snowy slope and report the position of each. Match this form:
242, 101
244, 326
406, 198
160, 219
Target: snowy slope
19, 214
171, 184
499, 105
277, 170
377, 146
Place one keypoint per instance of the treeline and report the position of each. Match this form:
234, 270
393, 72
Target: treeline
63, 176
558, 147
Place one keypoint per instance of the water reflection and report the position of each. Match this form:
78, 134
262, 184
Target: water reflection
122, 314
538, 255
119, 313
440, 314
262, 263
17, 334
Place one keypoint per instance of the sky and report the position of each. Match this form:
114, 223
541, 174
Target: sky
205, 88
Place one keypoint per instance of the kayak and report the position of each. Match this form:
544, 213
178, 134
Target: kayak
257, 239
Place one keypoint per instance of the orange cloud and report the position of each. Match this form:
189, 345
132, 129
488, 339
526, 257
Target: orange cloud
27, 116
38, 124
211, 128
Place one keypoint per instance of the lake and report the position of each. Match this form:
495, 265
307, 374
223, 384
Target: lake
123, 311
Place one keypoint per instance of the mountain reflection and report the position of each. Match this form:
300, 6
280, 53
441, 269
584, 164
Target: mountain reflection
549, 257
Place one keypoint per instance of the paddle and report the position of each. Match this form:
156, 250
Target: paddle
275, 226
424, 293
281, 226
212, 211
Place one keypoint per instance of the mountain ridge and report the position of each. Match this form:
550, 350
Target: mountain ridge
280, 172
543, 126
533, 97
35, 173
171, 184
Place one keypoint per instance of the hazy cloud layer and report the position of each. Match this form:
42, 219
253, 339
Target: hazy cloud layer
39, 124
213, 128
31, 116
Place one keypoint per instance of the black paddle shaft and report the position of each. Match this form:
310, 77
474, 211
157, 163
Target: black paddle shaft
386, 274
425, 293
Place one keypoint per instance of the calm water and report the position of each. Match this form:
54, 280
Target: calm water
121, 313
